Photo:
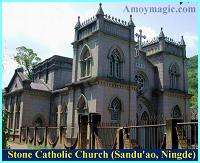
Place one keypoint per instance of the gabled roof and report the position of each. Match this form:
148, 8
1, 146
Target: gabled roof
53, 59
41, 86
21, 75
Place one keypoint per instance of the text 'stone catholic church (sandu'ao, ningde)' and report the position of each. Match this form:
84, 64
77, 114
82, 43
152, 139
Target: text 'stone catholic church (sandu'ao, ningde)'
112, 73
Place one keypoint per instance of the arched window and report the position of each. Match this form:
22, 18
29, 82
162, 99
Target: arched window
115, 64
82, 105
85, 62
115, 110
174, 74
140, 80
176, 112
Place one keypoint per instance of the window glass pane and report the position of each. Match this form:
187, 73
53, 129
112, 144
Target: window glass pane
88, 67
115, 109
173, 73
140, 81
83, 68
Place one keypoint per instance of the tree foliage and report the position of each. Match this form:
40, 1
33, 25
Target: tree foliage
5, 131
26, 58
192, 71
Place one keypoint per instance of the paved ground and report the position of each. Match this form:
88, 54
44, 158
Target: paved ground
17, 145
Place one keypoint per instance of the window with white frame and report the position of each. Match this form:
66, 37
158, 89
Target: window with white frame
85, 63
115, 64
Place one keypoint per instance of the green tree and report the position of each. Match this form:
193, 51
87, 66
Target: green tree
26, 58
6, 131
192, 70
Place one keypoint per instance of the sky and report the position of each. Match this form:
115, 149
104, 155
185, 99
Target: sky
48, 28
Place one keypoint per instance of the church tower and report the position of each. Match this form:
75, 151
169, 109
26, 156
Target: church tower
170, 59
95, 40
102, 75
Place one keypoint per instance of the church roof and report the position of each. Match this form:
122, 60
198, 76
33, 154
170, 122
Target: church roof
39, 86
18, 72
167, 40
106, 17
24, 79
54, 58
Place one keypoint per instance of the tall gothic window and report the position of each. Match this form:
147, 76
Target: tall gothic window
85, 63
115, 110
140, 80
82, 105
115, 64
173, 72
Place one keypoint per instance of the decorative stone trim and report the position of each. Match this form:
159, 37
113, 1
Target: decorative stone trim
38, 93
116, 85
177, 94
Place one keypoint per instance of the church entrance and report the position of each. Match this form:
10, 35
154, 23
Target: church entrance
144, 114
144, 132
83, 116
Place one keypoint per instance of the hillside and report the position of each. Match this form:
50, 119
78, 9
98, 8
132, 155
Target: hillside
192, 70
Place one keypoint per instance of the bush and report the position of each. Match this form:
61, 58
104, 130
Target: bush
6, 131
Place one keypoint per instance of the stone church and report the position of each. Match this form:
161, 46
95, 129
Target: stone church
113, 72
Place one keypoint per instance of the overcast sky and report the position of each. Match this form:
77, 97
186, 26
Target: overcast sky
48, 28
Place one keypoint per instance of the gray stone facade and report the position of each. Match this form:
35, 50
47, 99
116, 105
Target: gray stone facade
111, 73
